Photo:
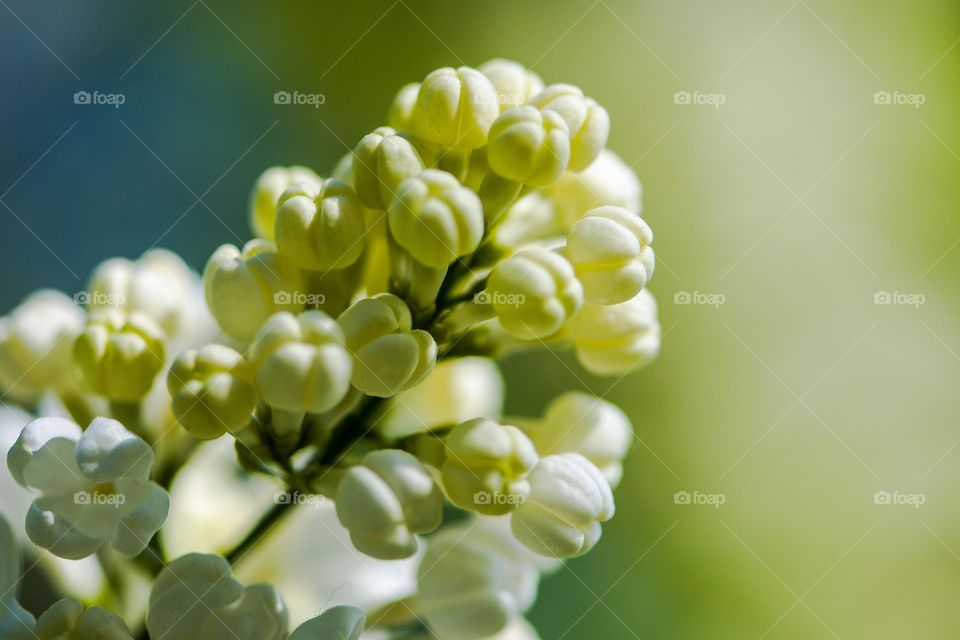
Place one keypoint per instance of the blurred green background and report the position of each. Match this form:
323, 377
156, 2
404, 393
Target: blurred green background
798, 202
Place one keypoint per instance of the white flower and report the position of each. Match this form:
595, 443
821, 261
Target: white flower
267, 190
568, 500
336, 623
485, 467
534, 292
16, 623
381, 161
387, 499
436, 218
607, 181
388, 355
475, 579
301, 362
610, 251
69, 620
611, 340
529, 145
576, 422
456, 390
588, 122
455, 108
95, 487
196, 596
244, 288
212, 390
514, 83
320, 225
119, 355
36, 344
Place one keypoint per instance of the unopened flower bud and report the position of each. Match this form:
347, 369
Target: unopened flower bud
610, 251
336, 623
381, 162
514, 83
118, 354
385, 501
569, 498
436, 218
244, 288
388, 356
534, 292
455, 108
212, 390
267, 191
486, 466
320, 226
36, 344
529, 145
400, 116
607, 181
67, 619
612, 340
300, 362
588, 122
577, 422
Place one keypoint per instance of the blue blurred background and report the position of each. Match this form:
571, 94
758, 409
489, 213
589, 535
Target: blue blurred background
798, 201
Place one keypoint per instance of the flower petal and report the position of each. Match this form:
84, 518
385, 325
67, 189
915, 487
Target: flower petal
107, 451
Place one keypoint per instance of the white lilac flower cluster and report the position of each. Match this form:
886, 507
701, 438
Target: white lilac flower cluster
347, 351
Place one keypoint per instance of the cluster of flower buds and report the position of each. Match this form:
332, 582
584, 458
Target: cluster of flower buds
353, 361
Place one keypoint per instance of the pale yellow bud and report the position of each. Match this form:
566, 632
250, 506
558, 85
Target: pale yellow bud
267, 191
608, 180
118, 354
588, 122
381, 161
455, 108
213, 391
514, 83
612, 340
400, 116
529, 146
320, 226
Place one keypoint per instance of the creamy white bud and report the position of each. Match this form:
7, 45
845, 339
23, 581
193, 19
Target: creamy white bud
320, 226
455, 108
212, 390
534, 292
577, 422
611, 340
486, 466
244, 288
610, 251
588, 122
388, 355
529, 145
301, 363
385, 501
119, 355
607, 181
569, 498
381, 161
69, 620
515, 84
436, 218
267, 191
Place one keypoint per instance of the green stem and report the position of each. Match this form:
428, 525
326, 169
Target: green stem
269, 520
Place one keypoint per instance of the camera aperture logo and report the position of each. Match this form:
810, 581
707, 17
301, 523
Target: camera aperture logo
107, 497
899, 298
299, 298
898, 499
297, 498
698, 98
486, 497
697, 498
298, 98
96, 98
899, 98
714, 300
500, 299
99, 299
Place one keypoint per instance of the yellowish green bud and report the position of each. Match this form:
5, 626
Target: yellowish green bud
588, 122
533, 293
213, 391
120, 354
267, 191
436, 218
244, 288
514, 83
612, 340
300, 362
400, 116
486, 466
320, 226
388, 356
607, 181
381, 162
455, 108
610, 251
529, 145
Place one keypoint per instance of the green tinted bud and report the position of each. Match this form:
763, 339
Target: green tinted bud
118, 354
529, 146
400, 116
455, 108
612, 340
267, 190
514, 83
320, 226
588, 122
381, 162
212, 390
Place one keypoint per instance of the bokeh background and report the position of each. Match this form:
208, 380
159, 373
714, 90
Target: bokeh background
793, 207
